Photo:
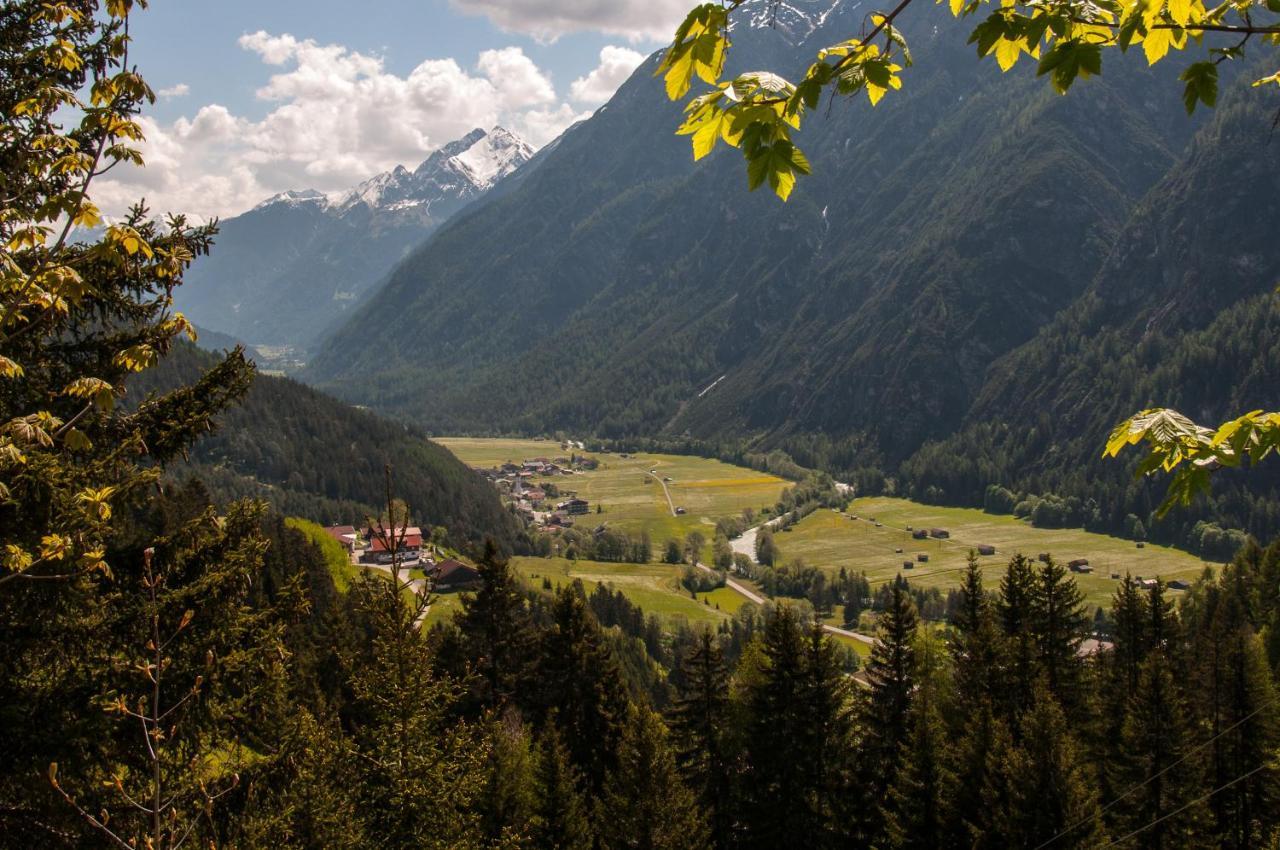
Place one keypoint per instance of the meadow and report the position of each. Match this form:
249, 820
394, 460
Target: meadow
631, 499
830, 540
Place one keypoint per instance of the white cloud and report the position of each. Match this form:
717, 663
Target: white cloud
336, 117
519, 82
636, 20
179, 90
616, 64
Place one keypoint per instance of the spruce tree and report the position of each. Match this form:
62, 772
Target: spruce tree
560, 820
976, 646
886, 705
1159, 775
497, 632
578, 678
918, 807
1059, 623
1016, 614
1051, 794
644, 804
699, 721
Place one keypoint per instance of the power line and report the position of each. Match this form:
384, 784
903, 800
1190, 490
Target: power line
1187, 806
1158, 774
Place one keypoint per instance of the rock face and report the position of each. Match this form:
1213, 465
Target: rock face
294, 265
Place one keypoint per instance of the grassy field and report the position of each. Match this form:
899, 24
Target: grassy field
654, 587
832, 540
632, 499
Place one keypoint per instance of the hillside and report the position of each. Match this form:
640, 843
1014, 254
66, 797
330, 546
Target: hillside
870, 305
316, 457
297, 263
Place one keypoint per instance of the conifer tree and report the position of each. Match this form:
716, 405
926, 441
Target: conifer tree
1017, 615
496, 629
1060, 624
560, 820
578, 677
975, 645
1159, 776
506, 802
886, 705
699, 721
918, 813
1050, 790
644, 804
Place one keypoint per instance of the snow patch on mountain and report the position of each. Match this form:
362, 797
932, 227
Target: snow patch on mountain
461, 170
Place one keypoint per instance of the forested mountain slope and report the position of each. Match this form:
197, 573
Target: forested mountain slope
1183, 313
619, 280
313, 456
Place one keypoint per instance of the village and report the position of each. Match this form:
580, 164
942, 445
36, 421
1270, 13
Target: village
378, 548
543, 504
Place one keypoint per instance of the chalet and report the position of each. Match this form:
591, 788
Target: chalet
1140, 545
451, 574
535, 495
986, 549
573, 506
1146, 583
1179, 584
919, 534
407, 541
559, 519
939, 533
1079, 565
344, 534
922, 558
908, 565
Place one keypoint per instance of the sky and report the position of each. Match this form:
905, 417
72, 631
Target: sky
255, 97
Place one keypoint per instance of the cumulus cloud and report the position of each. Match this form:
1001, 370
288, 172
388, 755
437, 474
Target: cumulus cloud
636, 20
616, 64
336, 117
179, 90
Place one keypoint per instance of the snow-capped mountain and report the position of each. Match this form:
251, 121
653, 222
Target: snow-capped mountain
283, 272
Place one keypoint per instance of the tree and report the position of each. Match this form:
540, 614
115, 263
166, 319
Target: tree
674, 554
766, 550
1016, 608
918, 805
1059, 623
560, 817
886, 705
1159, 778
699, 721
644, 803
496, 629
693, 543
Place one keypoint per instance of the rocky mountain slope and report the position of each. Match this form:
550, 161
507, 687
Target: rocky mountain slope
297, 263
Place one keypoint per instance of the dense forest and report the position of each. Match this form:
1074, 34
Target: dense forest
310, 455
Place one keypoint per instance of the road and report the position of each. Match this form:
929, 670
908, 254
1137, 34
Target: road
760, 600
665, 491
417, 585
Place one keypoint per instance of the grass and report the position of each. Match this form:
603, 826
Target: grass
335, 555
831, 540
654, 587
632, 499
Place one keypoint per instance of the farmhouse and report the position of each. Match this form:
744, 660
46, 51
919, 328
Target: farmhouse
407, 540
344, 534
451, 574
573, 506
1080, 565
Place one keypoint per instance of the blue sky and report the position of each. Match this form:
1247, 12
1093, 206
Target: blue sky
259, 96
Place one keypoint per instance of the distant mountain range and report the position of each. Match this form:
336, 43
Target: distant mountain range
971, 291
294, 265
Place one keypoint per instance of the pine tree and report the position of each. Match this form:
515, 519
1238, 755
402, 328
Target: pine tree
560, 820
1016, 614
578, 678
497, 631
644, 804
918, 807
1158, 777
886, 706
975, 645
1050, 790
1059, 623
699, 721
506, 802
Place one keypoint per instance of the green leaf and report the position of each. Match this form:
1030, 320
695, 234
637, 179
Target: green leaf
1202, 85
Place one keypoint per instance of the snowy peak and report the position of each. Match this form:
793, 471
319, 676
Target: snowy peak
796, 19
295, 198
458, 171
